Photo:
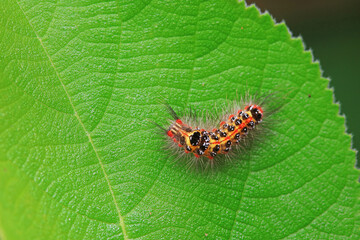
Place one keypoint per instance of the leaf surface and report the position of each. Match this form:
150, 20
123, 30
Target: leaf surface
79, 81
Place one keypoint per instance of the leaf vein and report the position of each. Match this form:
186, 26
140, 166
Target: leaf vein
121, 219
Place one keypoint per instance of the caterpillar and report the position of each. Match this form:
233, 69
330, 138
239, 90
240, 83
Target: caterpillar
214, 137
218, 141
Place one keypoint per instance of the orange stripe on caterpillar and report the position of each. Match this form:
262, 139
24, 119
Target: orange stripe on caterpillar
217, 141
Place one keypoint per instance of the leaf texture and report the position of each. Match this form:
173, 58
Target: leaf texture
79, 82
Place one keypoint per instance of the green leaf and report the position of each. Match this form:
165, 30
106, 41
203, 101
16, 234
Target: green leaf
80, 80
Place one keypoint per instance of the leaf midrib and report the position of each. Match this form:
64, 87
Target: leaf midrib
121, 218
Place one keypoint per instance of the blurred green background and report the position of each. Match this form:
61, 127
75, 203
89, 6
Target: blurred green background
331, 29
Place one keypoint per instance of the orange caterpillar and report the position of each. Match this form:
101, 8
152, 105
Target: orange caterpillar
219, 141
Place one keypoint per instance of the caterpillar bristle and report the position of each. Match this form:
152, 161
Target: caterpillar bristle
171, 111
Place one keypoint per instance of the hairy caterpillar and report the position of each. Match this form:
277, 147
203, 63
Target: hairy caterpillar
213, 137
201, 142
